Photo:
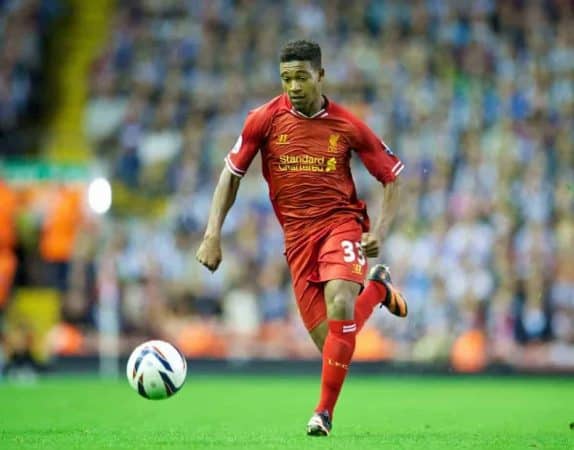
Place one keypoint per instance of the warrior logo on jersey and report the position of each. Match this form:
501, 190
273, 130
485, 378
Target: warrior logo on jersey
283, 139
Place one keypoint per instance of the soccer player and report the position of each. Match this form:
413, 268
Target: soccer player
306, 141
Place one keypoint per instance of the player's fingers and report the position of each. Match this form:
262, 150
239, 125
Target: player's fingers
205, 263
366, 245
214, 264
372, 252
372, 249
368, 239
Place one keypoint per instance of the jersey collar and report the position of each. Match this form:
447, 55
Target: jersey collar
323, 112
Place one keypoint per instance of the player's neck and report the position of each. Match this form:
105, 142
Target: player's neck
315, 107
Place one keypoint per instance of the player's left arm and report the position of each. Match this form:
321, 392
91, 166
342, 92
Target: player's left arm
371, 241
388, 212
385, 166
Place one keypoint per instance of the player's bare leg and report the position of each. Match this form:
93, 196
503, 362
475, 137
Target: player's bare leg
341, 306
385, 294
319, 333
337, 349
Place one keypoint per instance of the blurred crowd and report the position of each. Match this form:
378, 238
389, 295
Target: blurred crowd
24, 27
476, 97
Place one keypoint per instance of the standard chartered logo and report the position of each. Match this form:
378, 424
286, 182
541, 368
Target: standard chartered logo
306, 163
331, 165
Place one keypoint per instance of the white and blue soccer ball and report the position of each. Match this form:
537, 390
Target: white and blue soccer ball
156, 370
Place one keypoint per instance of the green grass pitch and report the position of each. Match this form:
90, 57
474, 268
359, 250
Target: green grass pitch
234, 412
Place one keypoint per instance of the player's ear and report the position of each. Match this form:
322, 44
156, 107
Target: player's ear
321, 74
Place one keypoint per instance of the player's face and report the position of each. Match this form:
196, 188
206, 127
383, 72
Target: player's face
303, 85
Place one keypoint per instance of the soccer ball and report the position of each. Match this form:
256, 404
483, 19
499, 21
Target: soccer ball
156, 370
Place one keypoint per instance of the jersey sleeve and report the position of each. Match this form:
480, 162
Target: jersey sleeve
377, 157
249, 142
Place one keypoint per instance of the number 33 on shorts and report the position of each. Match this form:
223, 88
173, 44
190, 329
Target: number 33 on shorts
353, 253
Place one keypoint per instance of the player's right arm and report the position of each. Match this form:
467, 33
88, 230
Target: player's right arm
209, 252
236, 164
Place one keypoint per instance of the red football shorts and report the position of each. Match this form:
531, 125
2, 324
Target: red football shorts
332, 255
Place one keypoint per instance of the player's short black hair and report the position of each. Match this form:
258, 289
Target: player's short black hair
302, 50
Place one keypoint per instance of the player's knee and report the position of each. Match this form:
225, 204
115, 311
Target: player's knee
340, 306
340, 299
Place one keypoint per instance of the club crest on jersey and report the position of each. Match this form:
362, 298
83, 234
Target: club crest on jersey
283, 139
333, 142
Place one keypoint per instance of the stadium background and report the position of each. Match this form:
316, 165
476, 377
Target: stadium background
477, 98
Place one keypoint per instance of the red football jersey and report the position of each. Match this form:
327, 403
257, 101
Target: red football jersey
306, 163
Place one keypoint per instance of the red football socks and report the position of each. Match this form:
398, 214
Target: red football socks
337, 353
371, 296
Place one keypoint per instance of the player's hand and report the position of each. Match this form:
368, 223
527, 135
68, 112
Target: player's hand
370, 245
209, 252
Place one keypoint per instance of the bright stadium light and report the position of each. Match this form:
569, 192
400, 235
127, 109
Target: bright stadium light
100, 195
